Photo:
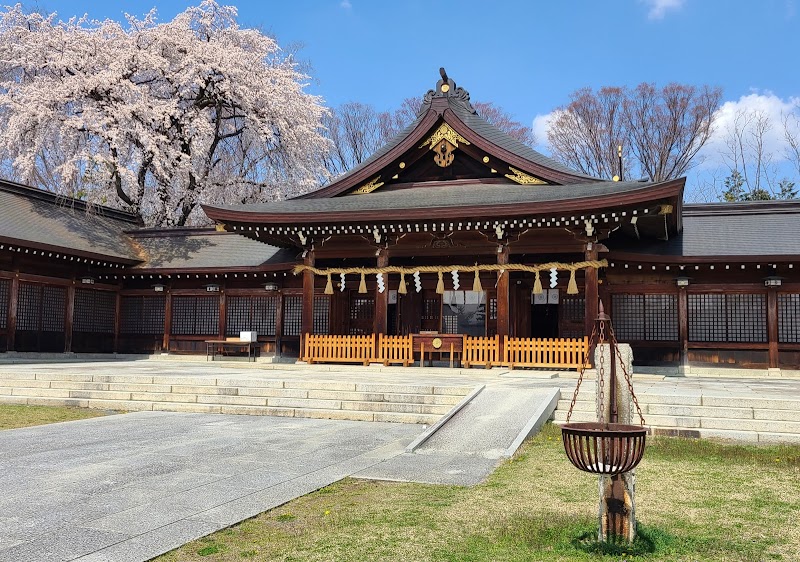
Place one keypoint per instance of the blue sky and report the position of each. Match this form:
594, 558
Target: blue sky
525, 56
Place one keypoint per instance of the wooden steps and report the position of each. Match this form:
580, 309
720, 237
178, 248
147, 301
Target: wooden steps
401, 403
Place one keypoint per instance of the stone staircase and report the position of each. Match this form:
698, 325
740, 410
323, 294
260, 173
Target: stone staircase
329, 399
752, 420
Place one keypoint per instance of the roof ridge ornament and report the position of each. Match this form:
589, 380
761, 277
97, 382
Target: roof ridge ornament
446, 88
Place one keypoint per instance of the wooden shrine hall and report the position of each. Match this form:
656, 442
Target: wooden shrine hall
453, 239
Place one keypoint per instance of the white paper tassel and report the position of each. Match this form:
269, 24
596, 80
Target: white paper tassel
417, 281
553, 278
455, 280
341, 282
381, 285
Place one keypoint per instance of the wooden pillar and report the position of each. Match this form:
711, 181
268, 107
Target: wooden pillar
117, 317
167, 321
380, 321
772, 326
307, 322
683, 329
503, 301
13, 301
70, 314
591, 290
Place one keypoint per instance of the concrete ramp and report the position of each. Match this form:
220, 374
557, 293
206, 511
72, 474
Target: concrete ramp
469, 445
494, 424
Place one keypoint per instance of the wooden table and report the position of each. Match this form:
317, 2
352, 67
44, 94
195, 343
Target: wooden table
213, 346
438, 343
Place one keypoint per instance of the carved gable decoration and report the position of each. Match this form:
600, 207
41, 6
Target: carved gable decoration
443, 142
522, 178
369, 187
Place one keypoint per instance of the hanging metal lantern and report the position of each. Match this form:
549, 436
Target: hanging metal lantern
605, 447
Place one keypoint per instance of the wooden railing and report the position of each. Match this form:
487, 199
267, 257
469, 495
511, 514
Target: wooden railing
562, 353
395, 349
339, 349
481, 351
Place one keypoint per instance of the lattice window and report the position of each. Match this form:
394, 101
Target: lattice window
747, 318
195, 315
29, 307
661, 317
639, 317
450, 324
292, 315
142, 315
94, 311
362, 308
627, 316
322, 308
789, 318
54, 305
493, 308
727, 318
573, 309
252, 313
5, 289
41, 308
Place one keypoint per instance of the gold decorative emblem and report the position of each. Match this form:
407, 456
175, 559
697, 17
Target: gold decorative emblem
522, 178
436, 343
666, 209
443, 142
369, 187
444, 132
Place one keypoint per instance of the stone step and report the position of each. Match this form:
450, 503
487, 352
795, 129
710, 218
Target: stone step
320, 413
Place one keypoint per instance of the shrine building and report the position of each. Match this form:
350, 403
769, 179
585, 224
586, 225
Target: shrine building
454, 238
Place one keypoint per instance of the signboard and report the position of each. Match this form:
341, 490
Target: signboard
541, 298
552, 296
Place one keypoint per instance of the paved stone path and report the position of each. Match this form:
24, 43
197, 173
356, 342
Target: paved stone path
129, 487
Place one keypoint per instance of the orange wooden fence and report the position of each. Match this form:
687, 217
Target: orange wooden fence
395, 349
562, 353
481, 351
339, 349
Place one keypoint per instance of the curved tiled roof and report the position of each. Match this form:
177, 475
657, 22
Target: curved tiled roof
30, 216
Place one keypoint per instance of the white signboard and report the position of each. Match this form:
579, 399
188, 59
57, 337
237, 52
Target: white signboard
540, 298
552, 296
392, 297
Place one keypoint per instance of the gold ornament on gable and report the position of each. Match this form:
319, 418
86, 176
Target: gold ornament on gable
369, 187
522, 178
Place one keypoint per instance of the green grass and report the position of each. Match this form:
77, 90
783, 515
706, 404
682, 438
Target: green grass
14, 416
696, 501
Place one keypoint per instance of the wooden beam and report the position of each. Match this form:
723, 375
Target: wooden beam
307, 321
223, 314
380, 323
772, 327
503, 317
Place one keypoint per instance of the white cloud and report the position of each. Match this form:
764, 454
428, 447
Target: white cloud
766, 105
345, 4
659, 8
540, 125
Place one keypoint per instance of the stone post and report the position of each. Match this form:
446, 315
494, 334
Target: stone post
617, 507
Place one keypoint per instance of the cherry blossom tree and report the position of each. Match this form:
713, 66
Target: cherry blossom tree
156, 118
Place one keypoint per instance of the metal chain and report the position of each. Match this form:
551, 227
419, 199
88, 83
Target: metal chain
613, 339
601, 370
581, 371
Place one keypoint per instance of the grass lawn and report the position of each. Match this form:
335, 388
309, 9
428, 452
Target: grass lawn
697, 500
13, 416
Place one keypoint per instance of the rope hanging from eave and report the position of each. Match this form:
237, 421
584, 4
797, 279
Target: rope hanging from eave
572, 267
